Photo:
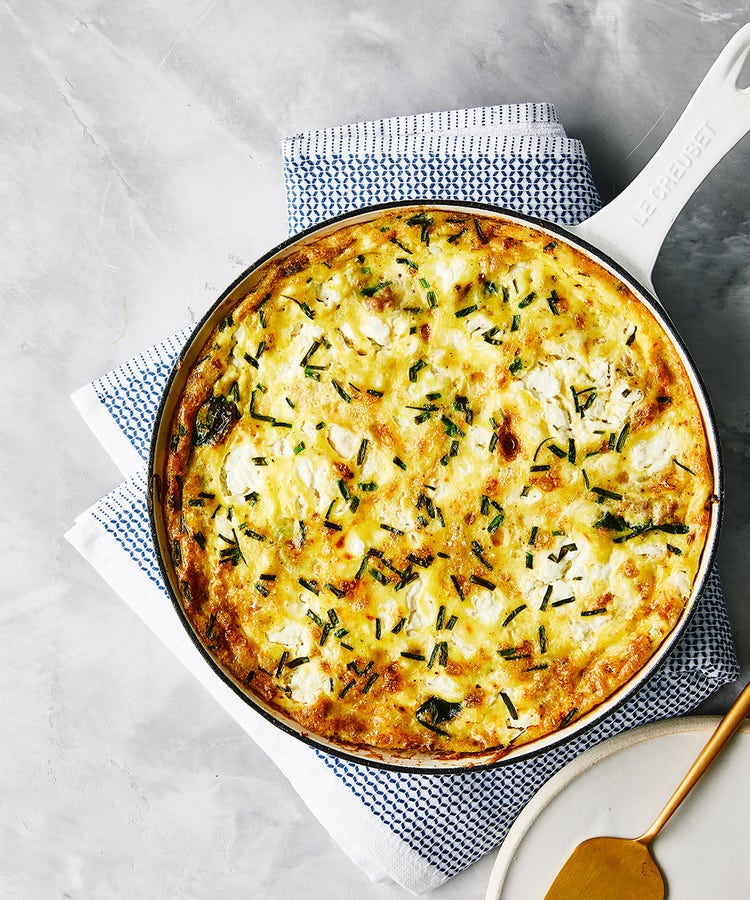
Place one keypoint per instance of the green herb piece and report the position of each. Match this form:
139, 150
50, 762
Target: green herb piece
603, 492
516, 323
478, 551
571, 451
397, 461
378, 576
527, 300
515, 366
455, 237
542, 639
392, 530
631, 338
333, 526
372, 290
370, 682
594, 612
296, 663
415, 369
457, 586
558, 451
282, 663
398, 626
622, 437
496, 523
509, 618
311, 586
436, 712
532, 536
482, 582
398, 243
340, 391
466, 311
309, 355
539, 468
299, 448
529, 560
214, 420
552, 302
509, 705
564, 601
367, 486
682, 466
347, 687
489, 336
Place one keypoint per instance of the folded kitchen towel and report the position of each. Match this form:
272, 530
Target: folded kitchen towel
415, 829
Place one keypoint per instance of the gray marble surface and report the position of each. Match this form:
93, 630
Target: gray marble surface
140, 173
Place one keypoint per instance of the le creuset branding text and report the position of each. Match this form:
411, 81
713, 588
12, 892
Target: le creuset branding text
674, 173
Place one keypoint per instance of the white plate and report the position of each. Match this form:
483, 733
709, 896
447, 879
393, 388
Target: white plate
617, 788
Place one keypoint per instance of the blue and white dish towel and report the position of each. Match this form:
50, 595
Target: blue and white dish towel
415, 829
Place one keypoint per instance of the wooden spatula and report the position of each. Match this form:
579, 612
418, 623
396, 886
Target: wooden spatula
608, 868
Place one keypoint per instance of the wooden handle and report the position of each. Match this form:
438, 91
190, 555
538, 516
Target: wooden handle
724, 730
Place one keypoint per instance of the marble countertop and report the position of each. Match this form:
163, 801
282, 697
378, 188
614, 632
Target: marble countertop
140, 173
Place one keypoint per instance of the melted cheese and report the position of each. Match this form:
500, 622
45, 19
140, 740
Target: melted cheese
437, 496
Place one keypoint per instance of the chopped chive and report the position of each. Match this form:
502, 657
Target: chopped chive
405, 261
594, 612
568, 718
347, 687
370, 682
572, 451
482, 582
539, 468
467, 310
564, 601
254, 535
457, 586
682, 466
558, 451
496, 523
299, 661
440, 621
532, 536
308, 356
340, 391
515, 366
509, 618
282, 663
630, 340
516, 323
509, 705
622, 437
367, 486
378, 576
546, 598
398, 243
603, 492
299, 448
415, 369
399, 462
407, 654
529, 560
542, 639
478, 550
309, 585
398, 626
392, 530
527, 300
373, 289
552, 303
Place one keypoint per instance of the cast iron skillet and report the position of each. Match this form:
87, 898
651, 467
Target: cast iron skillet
624, 238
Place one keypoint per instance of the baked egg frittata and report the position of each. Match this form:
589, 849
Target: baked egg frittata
439, 484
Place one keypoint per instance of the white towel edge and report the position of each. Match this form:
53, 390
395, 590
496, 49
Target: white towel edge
106, 430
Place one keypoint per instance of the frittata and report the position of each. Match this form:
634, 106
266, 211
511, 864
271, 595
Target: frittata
438, 484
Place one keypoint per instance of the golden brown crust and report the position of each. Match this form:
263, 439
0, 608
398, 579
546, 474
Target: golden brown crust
437, 484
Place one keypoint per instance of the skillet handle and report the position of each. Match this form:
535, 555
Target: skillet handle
632, 228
